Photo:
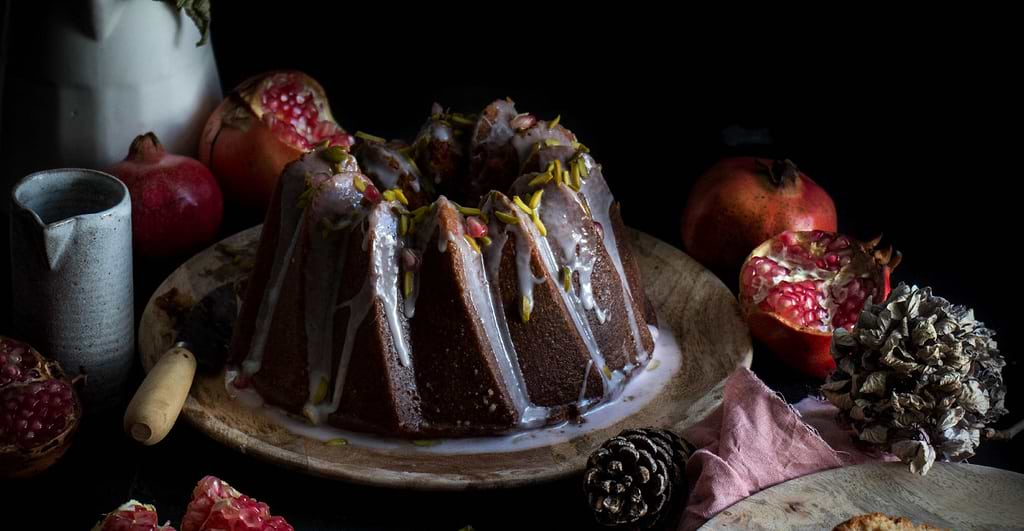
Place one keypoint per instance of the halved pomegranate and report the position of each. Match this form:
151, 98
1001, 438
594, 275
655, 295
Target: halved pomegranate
798, 287
266, 122
39, 410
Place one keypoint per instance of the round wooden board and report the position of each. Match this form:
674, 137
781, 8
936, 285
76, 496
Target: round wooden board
700, 310
952, 496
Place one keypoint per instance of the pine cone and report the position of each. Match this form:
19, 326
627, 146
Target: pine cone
919, 377
636, 478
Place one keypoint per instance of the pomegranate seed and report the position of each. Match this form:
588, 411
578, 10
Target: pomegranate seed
371, 193
475, 228
410, 260
600, 229
216, 505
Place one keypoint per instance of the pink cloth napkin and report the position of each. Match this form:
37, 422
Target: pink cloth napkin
755, 440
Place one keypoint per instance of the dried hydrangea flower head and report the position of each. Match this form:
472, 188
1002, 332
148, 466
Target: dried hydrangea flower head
918, 377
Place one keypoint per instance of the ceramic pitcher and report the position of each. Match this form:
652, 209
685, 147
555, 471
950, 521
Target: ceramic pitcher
71, 272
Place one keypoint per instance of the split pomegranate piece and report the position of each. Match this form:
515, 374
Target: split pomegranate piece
798, 287
132, 516
266, 122
39, 410
217, 506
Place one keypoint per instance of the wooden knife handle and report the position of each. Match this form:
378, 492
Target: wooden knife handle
159, 400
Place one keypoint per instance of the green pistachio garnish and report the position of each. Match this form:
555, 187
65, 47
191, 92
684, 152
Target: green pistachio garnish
334, 154
506, 217
370, 138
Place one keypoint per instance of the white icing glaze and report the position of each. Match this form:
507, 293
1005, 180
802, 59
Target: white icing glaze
586, 378
599, 198
381, 284
499, 131
636, 394
323, 269
492, 320
290, 228
384, 273
524, 141
561, 216
387, 167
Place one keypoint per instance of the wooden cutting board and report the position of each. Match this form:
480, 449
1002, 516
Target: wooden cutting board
952, 496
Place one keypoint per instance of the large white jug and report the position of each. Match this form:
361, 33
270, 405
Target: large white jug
84, 77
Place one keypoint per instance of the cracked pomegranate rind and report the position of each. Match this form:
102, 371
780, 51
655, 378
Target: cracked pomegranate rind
132, 516
266, 122
39, 410
798, 287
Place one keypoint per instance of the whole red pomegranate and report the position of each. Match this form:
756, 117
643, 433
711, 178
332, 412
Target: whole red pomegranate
39, 410
265, 123
216, 505
797, 287
176, 203
742, 201
132, 516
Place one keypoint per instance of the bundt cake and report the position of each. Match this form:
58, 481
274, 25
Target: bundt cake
378, 305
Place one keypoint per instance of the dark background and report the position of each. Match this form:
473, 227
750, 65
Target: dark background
914, 135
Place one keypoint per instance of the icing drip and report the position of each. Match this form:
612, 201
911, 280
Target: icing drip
527, 230
290, 228
530, 415
600, 199
499, 131
381, 284
437, 131
387, 166
573, 305
384, 273
492, 320
525, 142
560, 214
581, 401
333, 208
324, 268
254, 360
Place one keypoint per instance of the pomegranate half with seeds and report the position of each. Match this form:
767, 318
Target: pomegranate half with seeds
39, 410
798, 287
218, 506
266, 122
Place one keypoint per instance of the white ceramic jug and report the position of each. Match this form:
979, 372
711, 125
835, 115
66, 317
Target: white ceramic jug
84, 77
71, 263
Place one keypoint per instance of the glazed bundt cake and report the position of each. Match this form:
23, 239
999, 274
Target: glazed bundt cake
378, 305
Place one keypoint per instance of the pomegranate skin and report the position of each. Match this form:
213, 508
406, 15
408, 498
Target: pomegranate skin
800, 348
251, 135
742, 201
28, 377
177, 205
860, 273
247, 161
